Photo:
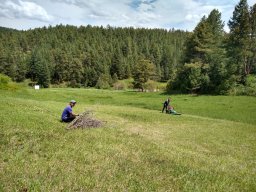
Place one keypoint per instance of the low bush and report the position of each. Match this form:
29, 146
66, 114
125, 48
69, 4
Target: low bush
248, 89
150, 86
6, 83
119, 85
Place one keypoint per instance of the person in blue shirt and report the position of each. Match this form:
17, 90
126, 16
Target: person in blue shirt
67, 114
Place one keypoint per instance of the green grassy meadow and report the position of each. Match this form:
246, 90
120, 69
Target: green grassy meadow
210, 147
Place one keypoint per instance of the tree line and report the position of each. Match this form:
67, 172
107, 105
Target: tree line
82, 56
207, 60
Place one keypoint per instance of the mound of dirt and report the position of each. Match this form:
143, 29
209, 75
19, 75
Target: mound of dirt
85, 120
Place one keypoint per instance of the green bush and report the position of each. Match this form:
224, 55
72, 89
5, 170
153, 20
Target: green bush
73, 83
120, 85
248, 89
192, 78
251, 81
150, 86
60, 85
237, 90
251, 91
126, 83
6, 83
103, 82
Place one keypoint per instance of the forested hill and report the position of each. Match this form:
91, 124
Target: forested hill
81, 55
6, 29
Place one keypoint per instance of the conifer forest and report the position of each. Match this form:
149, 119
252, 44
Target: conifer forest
207, 60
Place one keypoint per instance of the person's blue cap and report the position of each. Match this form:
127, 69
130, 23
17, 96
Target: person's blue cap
72, 101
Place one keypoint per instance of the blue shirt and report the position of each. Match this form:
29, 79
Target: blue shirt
66, 112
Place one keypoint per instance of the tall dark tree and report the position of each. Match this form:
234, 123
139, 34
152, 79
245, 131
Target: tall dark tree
38, 69
198, 44
216, 57
204, 50
252, 63
43, 73
22, 61
239, 41
75, 72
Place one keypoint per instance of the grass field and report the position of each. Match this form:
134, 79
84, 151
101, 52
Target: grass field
210, 147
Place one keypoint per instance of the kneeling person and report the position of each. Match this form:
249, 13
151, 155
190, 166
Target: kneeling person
67, 114
171, 110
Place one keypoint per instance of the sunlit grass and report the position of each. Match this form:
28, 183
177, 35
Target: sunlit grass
211, 147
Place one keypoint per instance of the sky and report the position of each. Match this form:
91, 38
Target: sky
167, 14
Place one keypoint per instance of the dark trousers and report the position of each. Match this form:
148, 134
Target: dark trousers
69, 119
164, 108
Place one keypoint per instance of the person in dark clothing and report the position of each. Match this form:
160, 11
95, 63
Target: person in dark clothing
166, 103
67, 114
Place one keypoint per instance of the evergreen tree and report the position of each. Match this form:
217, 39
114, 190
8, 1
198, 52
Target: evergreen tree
38, 69
22, 61
216, 56
116, 65
76, 73
43, 73
239, 41
198, 44
252, 63
204, 46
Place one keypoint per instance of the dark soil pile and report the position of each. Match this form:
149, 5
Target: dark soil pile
85, 120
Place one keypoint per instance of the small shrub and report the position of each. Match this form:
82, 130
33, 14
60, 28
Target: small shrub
161, 86
61, 85
251, 81
119, 85
73, 83
6, 83
251, 91
248, 89
237, 90
4, 80
150, 86
103, 82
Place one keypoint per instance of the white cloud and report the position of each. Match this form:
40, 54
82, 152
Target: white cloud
24, 9
180, 14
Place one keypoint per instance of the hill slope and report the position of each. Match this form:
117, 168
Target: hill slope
138, 148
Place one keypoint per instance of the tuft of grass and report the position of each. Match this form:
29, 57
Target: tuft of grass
210, 147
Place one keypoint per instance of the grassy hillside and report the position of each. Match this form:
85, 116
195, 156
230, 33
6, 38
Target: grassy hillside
211, 147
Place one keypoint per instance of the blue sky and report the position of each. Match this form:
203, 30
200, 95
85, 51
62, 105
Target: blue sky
178, 14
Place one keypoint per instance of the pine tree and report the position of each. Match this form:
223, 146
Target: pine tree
216, 57
252, 64
76, 73
204, 46
21, 68
199, 42
43, 73
38, 69
239, 41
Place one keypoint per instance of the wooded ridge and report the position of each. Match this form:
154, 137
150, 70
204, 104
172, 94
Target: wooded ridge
207, 60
